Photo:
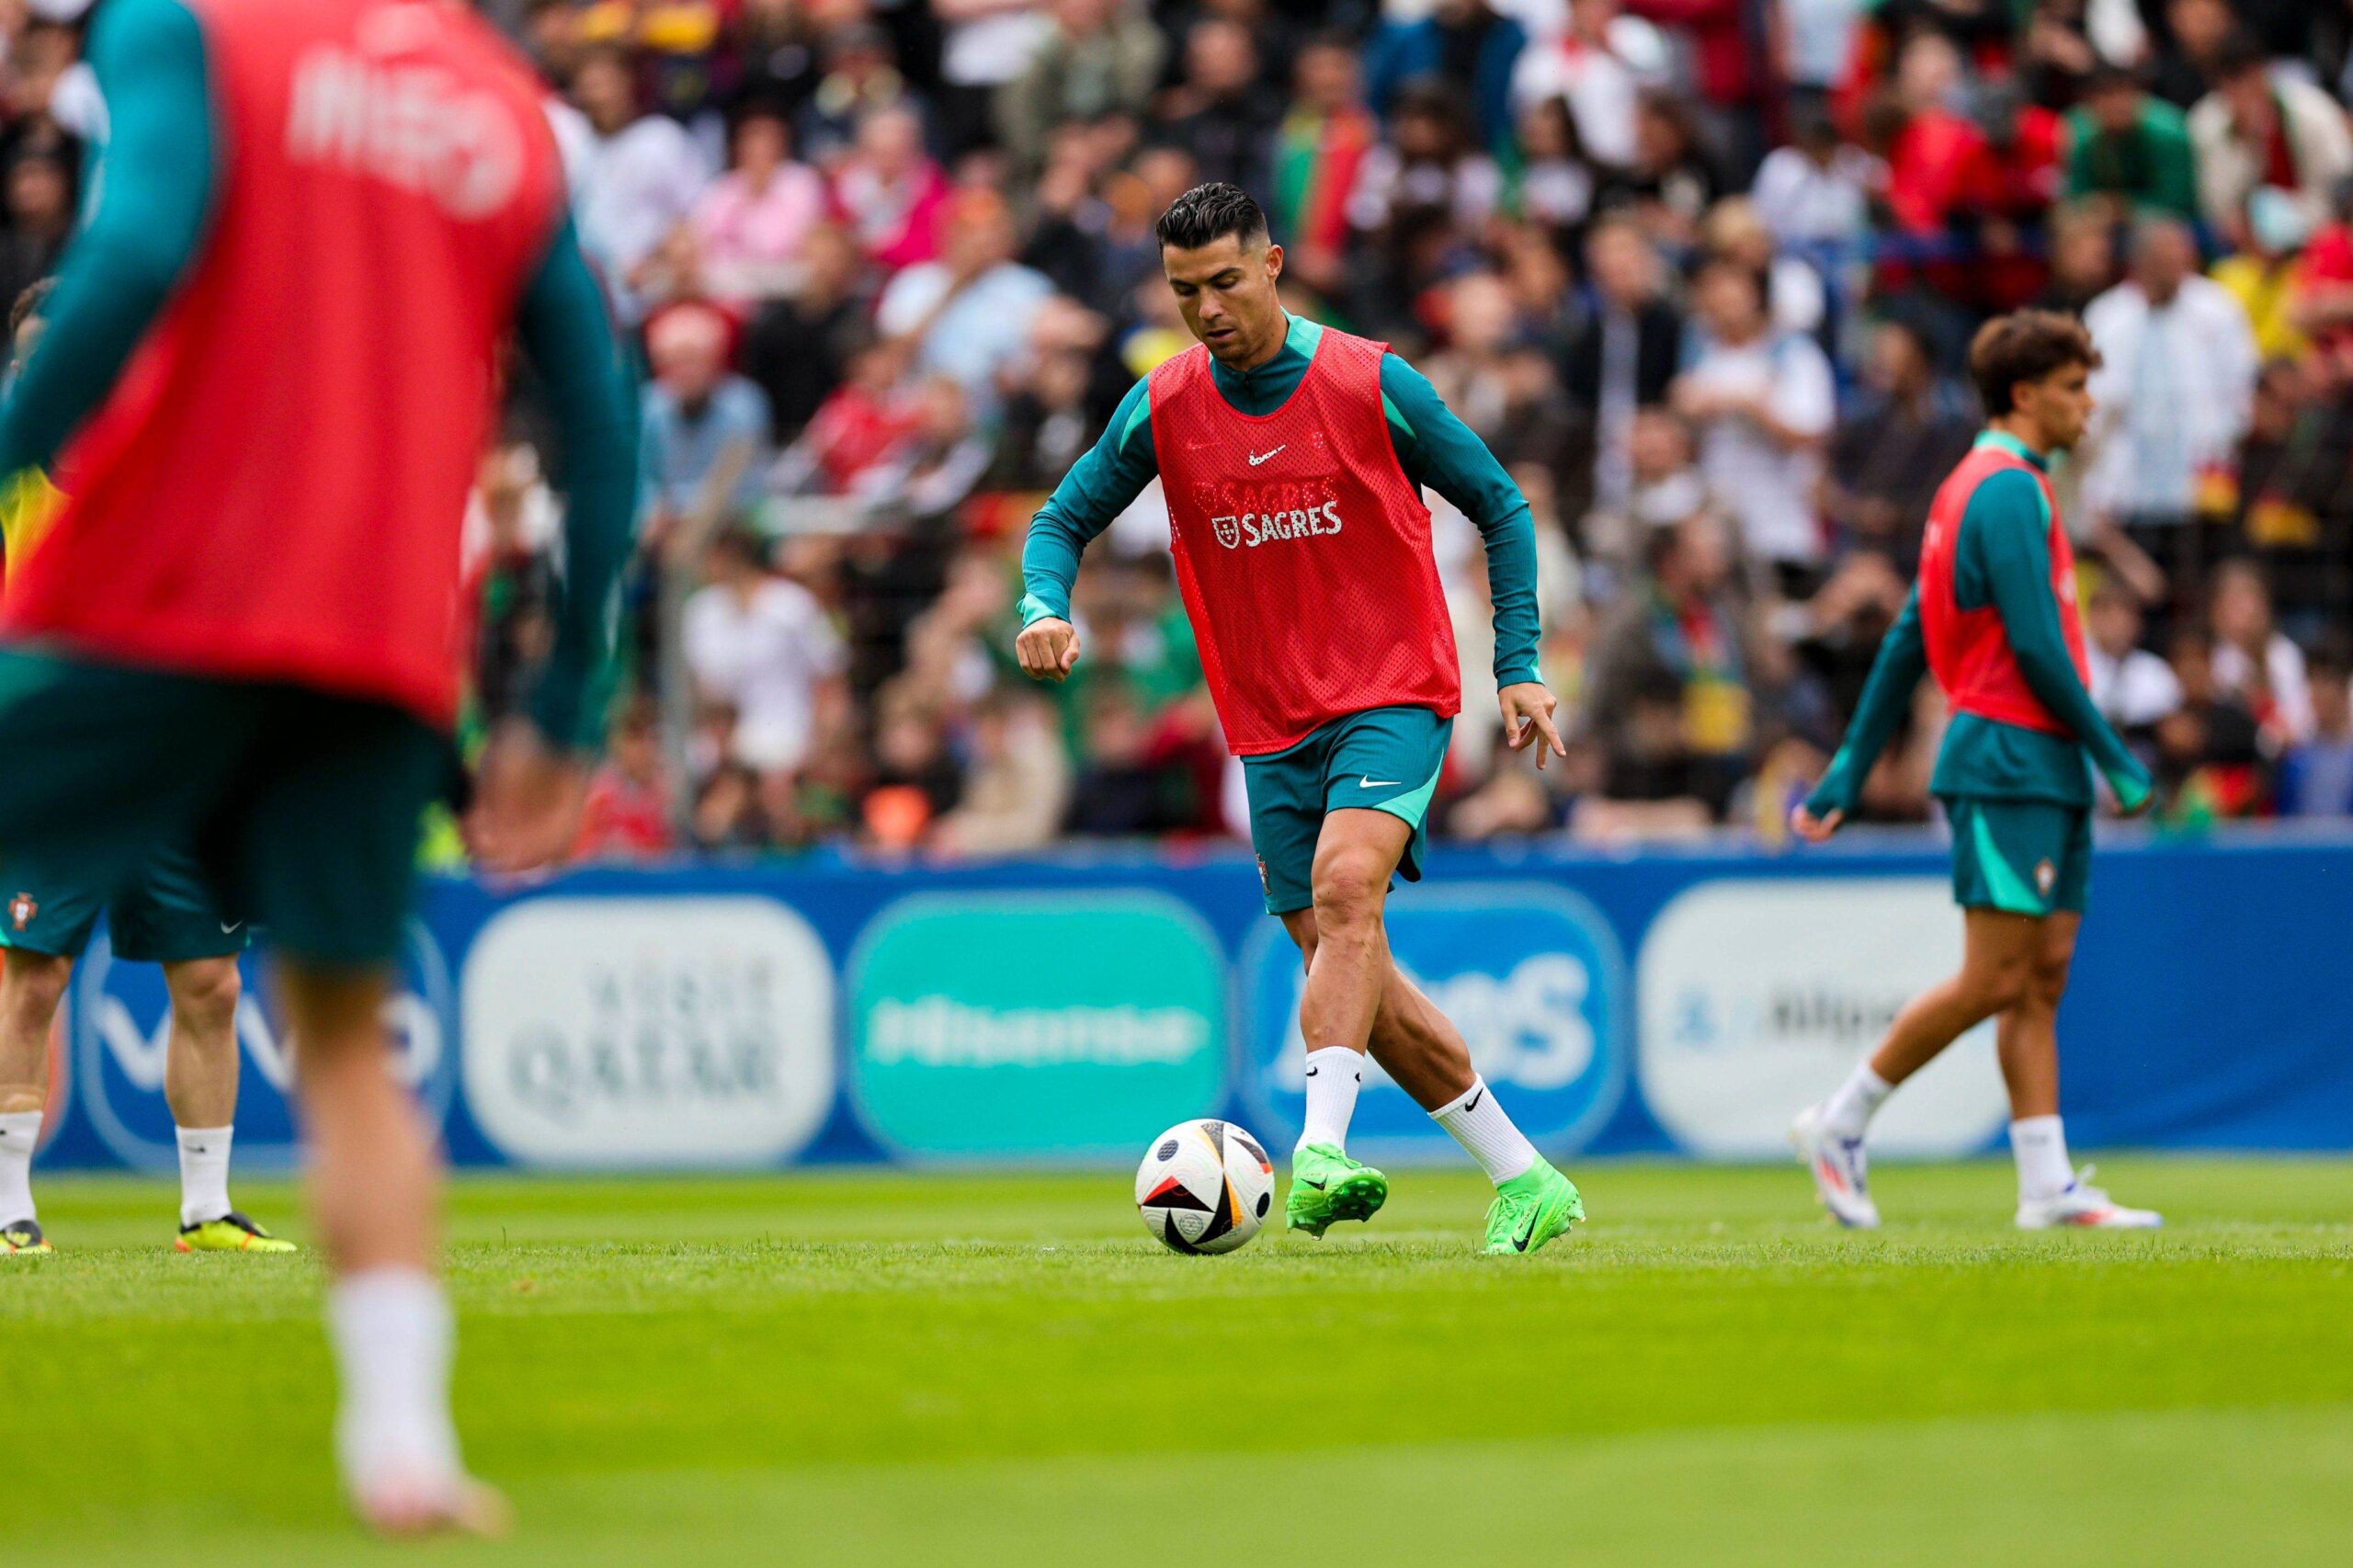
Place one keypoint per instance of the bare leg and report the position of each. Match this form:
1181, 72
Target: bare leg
1997, 961
2027, 1035
374, 1185
1415, 1043
1354, 858
200, 1070
31, 985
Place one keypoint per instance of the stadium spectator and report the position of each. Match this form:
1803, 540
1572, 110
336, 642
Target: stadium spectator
2256, 664
1319, 150
1623, 354
1102, 58
759, 646
1887, 457
797, 348
706, 426
1815, 194
2315, 777
752, 222
984, 45
1221, 112
860, 79
889, 189
640, 175
2130, 148
627, 815
1471, 47
2262, 127
2173, 392
2133, 687
40, 216
968, 314
1017, 787
1763, 403
2210, 756
1598, 66
2266, 278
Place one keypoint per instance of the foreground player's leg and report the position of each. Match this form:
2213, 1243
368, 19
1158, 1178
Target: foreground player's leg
1997, 959
1420, 1048
200, 1085
31, 985
1346, 954
2050, 1192
373, 1186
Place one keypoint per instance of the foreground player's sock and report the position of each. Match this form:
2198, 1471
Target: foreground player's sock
1334, 1073
204, 1173
1848, 1111
393, 1335
19, 1131
2041, 1146
1480, 1125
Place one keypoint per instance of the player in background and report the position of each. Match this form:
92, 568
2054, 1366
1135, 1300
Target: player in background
269, 366
1994, 616
1294, 457
165, 916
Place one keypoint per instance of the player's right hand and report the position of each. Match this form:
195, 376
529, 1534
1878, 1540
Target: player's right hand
1047, 649
1814, 829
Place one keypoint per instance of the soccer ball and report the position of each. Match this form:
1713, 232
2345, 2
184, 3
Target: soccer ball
1204, 1187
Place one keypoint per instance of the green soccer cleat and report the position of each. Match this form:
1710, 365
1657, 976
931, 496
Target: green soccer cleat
24, 1235
231, 1233
1326, 1185
1531, 1208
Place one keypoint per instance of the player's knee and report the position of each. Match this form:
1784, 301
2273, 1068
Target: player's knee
205, 994
1349, 887
2003, 984
2048, 982
33, 984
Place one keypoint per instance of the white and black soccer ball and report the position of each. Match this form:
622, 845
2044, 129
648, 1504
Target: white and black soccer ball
1205, 1187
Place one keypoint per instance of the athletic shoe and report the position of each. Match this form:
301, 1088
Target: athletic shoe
408, 1506
2084, 1207
23, 1236
1327, 1186
1531, 1208
231, 1233
1840, 1177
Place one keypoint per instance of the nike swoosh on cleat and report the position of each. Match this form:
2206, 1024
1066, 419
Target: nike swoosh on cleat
1312, 1186
1257, 458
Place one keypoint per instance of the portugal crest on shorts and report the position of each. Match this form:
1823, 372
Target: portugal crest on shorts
22, 908
2046, 876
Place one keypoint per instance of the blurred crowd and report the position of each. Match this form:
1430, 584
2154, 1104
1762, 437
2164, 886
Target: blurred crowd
1699, 271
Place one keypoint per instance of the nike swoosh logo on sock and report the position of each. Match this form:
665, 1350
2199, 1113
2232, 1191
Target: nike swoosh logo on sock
1474, 1101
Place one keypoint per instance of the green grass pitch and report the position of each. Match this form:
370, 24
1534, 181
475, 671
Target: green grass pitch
873, 1369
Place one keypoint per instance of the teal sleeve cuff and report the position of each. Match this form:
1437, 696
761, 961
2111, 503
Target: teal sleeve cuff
1034, 609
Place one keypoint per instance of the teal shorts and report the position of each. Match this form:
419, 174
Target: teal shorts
1385, 758
2020, 857
301, 810
164, 914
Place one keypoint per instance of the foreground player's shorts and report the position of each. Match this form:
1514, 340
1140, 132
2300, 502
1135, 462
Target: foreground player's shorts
166, 914
302, 808
2019, 857
1385, 758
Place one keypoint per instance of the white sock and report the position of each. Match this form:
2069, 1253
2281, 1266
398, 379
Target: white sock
19, 1131
204, 1173
1479, 1124
392, 1338
1847, 1112
1334, 1073
2040, 1144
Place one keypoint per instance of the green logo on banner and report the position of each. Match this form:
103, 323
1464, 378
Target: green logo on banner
1069, 1024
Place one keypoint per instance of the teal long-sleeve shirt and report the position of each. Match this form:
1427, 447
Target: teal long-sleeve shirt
2002, 559
1433, 447
153, 188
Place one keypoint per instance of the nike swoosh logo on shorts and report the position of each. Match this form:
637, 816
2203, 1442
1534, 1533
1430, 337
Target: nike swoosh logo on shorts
229, 927
1257, 458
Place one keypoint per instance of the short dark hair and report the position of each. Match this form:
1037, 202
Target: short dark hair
2237, 54
1209, 212
2025, 345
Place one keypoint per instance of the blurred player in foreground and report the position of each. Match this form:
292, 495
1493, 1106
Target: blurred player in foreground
164, 916
1293, 458
273, 351
1994, 615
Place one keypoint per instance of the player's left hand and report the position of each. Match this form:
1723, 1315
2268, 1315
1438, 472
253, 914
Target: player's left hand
527, 802
1528, 716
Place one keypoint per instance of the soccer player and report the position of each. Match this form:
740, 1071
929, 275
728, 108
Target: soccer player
1293, 458
271, 362
1994, 616
166, 915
